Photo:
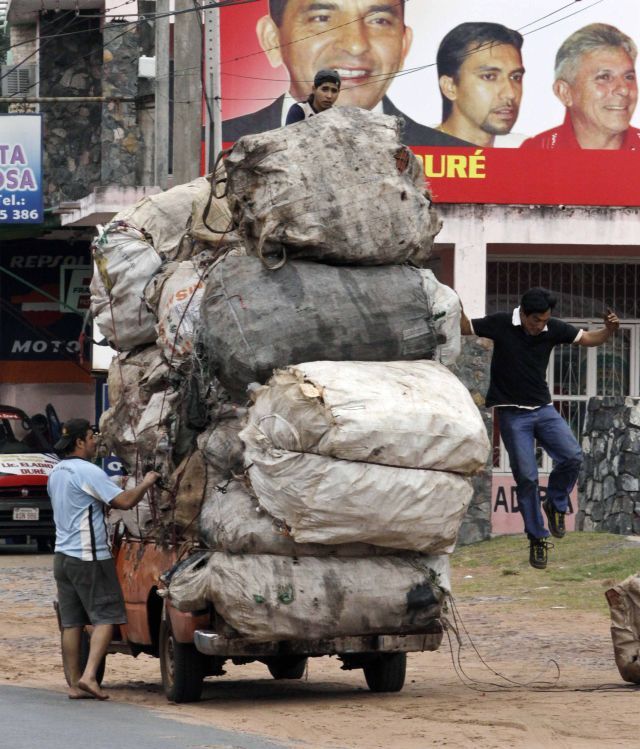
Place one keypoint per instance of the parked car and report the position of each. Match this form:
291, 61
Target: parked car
26, 459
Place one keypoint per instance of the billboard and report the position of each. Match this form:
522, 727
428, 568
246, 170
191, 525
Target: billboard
21, 199
491, 116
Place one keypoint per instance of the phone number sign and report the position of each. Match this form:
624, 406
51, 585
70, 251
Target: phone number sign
21, 199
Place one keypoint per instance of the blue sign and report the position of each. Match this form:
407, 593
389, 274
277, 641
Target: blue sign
21, 169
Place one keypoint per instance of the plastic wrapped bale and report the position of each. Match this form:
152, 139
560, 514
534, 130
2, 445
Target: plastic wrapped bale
143, 438
221, 445
210, 213
139, 520
132, 380
624, 605
164, 216
134, 375
329, 501
175, 296
254, 321
124, 262
179, 507
339, 188
232, 520
407, 414
267, 598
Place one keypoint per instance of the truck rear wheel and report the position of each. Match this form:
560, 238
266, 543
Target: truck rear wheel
386, 673
181, 667
287, 667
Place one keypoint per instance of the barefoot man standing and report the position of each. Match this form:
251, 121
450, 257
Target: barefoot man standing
88, 589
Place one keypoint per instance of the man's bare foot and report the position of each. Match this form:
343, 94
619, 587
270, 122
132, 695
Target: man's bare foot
92, 688
75, 693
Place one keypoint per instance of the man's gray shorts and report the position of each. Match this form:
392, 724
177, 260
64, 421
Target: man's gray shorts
88, 592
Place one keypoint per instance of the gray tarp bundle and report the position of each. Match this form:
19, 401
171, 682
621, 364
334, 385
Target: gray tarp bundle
255, 320
338, 188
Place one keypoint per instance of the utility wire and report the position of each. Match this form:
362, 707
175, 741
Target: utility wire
378, 77
141, 18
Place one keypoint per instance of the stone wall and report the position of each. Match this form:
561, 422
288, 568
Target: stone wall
89, 144
70, 66
473, 369
121, 137
609, 483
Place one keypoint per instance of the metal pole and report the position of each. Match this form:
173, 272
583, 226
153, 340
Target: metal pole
187, 93
212, 69
161, 134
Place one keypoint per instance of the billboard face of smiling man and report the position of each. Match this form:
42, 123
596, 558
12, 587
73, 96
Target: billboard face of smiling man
366, 41
596, 81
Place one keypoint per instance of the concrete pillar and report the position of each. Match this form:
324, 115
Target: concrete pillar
187, 94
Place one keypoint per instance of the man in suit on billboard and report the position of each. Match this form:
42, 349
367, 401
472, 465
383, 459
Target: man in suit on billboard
366, 41
480, 73
595, 79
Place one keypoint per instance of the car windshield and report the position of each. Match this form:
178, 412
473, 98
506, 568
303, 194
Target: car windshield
17, 437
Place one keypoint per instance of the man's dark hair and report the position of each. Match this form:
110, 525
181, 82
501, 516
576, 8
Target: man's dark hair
537, 300
72, 430
278, 7
465, 39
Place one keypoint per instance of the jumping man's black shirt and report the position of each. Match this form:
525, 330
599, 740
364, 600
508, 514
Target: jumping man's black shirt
519, 362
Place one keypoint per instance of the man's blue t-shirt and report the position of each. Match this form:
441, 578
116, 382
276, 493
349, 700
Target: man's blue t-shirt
79, 491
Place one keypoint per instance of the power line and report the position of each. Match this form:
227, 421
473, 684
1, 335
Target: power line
141, 18
380, 77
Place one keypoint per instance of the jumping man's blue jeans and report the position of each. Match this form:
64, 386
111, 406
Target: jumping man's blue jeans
520, 428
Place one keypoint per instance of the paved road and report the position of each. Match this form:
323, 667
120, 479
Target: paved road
38, 719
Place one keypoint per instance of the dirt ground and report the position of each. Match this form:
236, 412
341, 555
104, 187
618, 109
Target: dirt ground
333, 708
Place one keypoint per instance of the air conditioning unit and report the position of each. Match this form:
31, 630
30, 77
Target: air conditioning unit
16, 81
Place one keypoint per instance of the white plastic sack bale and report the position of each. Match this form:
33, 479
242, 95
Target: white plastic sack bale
139, 519
328, 501
338, 188
133, 378
142, 438
255, 320
124, 262
267, 598
175, 295
624, 605
408, 414
232, 520
133, 375
445, 316
164, 216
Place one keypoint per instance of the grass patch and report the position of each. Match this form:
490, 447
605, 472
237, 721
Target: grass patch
581, 567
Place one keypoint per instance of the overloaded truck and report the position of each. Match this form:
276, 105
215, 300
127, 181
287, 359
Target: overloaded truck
282, 361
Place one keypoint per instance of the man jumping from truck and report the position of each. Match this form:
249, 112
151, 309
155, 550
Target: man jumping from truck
85, 574
523, 341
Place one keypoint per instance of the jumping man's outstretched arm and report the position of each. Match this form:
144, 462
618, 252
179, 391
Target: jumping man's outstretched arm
598, 337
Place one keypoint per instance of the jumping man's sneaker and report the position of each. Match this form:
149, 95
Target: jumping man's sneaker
538, 552
555, 519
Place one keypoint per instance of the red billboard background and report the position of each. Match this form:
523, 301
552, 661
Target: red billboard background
460, 174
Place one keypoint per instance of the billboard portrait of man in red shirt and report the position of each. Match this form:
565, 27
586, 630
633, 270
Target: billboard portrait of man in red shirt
595, 79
